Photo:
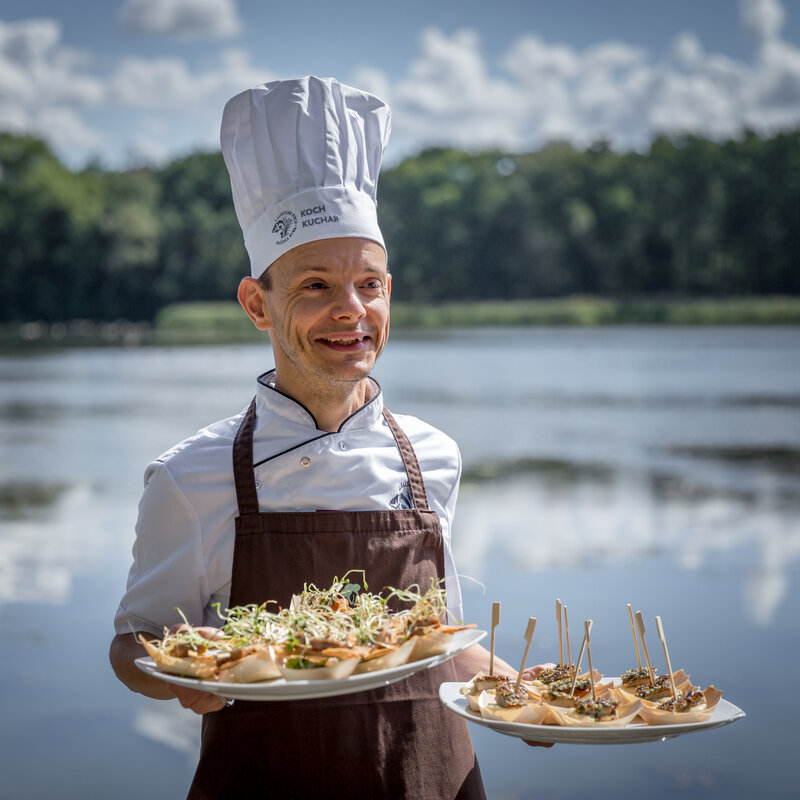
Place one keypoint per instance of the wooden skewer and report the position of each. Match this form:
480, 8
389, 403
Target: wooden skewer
528, 636
566, 633
587, 625
640, 623
578, 665
666, 656
560, 640
635, 639
495, 623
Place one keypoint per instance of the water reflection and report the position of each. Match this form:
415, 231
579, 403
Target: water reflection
658, 466
23, 499
575, 515
51, 535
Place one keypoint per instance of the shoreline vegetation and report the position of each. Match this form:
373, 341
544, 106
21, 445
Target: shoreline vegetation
225, 322
688, 230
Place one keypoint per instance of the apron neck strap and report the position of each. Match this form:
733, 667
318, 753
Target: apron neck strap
245, 479
243, 475
410, 461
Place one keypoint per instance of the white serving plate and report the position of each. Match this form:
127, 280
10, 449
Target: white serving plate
724, 714
281, 689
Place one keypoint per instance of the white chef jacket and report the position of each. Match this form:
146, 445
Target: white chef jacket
183, 551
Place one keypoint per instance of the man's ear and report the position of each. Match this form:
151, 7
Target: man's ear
388, 284
252, 299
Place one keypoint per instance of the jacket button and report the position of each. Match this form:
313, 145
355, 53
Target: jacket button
305, 461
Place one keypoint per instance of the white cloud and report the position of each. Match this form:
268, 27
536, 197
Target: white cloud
49, 90
178, 109
182, 18
763, 18
612, 90
449, 94
43, 88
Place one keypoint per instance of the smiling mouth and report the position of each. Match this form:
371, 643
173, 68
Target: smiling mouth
344, 342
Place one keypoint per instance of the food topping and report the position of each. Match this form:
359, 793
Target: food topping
635, 677
661, 688
599, 710
507, 697
555, 674
692, 700
582, 686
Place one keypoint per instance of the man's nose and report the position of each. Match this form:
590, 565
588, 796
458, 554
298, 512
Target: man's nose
347, 303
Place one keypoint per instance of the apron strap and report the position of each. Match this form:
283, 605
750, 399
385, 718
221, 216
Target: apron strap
410, 461
245, 479
243, 475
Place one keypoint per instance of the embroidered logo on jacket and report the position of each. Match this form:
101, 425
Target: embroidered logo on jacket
403, 499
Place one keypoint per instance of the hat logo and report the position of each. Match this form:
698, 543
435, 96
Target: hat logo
285, 225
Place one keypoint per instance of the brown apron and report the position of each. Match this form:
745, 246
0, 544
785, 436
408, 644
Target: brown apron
395, 742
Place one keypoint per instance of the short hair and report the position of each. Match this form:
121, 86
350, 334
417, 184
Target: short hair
265, 280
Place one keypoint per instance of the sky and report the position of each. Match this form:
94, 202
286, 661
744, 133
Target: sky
126, 82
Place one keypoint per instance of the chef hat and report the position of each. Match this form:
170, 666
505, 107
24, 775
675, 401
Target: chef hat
303, 157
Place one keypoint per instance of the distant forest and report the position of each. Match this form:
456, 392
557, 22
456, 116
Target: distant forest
688, 218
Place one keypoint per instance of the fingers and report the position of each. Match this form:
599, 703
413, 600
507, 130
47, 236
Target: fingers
531, 673
199, 702
205, 631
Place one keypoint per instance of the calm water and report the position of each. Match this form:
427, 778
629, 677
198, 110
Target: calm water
657, 467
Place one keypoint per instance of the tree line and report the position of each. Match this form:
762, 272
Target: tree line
689, 217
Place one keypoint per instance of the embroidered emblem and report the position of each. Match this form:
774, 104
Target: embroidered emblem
285, 225
403, 499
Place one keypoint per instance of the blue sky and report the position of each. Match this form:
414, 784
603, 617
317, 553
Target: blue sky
128, 81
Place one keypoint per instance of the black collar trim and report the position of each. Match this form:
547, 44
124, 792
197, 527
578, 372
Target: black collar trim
262, 379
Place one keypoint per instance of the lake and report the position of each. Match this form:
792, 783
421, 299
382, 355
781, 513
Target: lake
653, 466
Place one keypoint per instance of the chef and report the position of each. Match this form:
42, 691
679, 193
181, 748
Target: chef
314, 478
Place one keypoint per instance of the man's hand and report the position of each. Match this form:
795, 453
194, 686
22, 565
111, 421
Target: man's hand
194, 700
206, 631
125, 648
532, 673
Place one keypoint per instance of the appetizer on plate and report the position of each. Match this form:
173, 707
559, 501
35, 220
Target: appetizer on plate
324, 634
606, 712
506, 703
481, 683
660, 689
693, 705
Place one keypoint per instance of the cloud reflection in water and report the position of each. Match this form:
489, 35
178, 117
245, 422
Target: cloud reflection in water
587, 516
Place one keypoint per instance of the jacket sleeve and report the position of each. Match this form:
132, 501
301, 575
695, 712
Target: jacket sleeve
167, 580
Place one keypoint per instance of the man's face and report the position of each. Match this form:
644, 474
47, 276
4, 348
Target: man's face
328, 312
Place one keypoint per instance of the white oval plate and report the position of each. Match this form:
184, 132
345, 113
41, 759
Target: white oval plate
281, 689
724, 714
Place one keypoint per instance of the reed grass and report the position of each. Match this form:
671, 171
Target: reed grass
225, 322
227, 319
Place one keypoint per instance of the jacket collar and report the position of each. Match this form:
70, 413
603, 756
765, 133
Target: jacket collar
272, 401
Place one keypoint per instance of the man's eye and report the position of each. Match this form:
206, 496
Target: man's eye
315, 285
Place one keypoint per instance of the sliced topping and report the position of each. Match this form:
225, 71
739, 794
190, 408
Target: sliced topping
597, 709
298, 662
635, 677
481, 683
555, 674
661, 688
582, 686
693, 700
557, 698
506, 697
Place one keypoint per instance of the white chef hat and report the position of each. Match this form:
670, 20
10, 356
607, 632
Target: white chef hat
303, 157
